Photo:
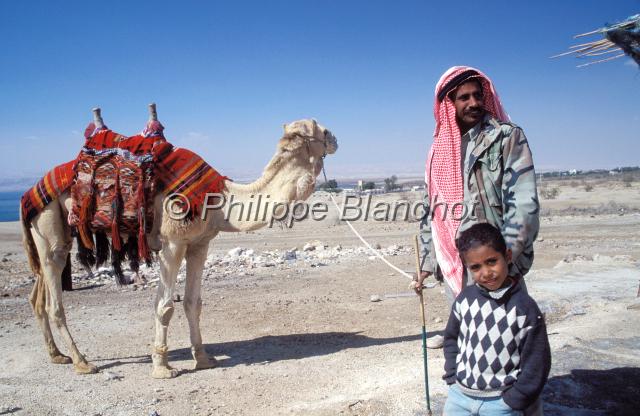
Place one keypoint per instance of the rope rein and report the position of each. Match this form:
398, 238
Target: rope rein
373, 250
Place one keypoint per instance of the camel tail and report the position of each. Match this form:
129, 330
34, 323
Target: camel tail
30, 246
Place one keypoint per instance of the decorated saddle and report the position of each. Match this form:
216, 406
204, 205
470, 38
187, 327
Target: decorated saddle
113, 183
114, 189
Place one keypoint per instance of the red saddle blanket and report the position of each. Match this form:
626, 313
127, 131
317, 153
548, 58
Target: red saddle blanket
114, 188
50, 187
114, 181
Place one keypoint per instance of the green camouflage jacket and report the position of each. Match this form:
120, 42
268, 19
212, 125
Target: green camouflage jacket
499, 188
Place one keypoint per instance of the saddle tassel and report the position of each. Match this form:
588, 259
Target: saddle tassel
116, 242
83, 227
143, 248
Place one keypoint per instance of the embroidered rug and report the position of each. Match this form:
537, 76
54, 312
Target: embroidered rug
177, 170
50, 187
184, 172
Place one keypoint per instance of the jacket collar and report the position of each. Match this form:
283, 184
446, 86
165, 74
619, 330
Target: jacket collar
505, 292
488, 129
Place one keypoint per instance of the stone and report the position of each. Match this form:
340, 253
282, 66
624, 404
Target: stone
375, 298
289, 255
110, 376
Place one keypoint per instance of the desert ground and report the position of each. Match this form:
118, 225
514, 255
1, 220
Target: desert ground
298, 332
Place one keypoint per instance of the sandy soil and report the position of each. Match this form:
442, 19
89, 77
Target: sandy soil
305, 338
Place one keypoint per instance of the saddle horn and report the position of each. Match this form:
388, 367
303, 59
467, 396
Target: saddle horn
97, 118
153, 114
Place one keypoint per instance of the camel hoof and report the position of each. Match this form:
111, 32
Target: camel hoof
164, 372
85, 368
60, 359
204, 363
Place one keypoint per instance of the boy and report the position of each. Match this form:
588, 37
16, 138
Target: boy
497, 355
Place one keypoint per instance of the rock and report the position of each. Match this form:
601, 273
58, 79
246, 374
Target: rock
289, 255
375, 298
235, 252
327, 255
314, 245
377, 246
110, 376
437, 320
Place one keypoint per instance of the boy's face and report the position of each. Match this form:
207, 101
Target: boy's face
489, 267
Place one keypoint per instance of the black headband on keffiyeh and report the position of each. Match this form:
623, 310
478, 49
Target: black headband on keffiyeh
455, 82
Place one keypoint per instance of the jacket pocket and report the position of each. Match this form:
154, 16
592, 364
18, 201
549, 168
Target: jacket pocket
491, 166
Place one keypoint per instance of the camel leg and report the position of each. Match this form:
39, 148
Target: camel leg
38, 301
171, 256
196, 256
53, 250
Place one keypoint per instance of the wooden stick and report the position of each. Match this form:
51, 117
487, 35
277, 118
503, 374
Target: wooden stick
604, 53
583, 49
153, 114
601, 60
424, 330
587, 44
97, 118
593, 32
598, 48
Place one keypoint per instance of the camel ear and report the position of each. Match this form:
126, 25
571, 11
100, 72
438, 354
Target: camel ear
284, 127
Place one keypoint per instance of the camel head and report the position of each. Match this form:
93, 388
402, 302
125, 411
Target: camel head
310, 142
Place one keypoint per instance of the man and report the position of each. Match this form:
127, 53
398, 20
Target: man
479, 169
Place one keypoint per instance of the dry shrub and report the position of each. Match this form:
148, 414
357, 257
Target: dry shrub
549, 192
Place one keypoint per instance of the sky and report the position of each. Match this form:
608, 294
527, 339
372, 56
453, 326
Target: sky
227, 74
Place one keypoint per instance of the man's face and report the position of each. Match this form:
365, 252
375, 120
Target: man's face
469, 103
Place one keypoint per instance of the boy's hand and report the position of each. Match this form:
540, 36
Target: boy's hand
416, 284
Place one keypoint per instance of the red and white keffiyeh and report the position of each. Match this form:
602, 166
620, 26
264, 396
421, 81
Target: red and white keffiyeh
443, 175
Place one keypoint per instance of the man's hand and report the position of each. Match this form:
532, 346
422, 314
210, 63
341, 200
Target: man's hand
416, 284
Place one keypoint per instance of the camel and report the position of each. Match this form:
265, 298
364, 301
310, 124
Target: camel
289, 176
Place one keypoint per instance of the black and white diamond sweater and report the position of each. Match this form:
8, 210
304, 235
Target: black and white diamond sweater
495, 343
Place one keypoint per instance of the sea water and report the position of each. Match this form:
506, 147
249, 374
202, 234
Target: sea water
10, 205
